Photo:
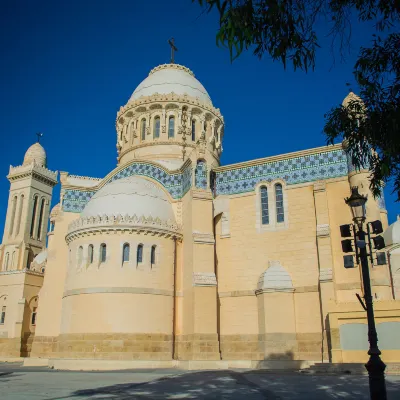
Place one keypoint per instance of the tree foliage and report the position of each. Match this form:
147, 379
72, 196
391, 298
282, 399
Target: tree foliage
286, 31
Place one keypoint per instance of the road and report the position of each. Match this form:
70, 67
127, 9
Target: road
22, 383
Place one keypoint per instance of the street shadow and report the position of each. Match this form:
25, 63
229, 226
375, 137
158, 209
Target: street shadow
227, 384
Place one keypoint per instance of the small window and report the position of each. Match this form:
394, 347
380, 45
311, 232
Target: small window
193, 130
153, 255
34, 210
280, 214
264, 206
33, 320
171, 127
90, 254
125, 253
139, 254
6, 261
103, 253
3, 315
80, 256
156, 128
143, 129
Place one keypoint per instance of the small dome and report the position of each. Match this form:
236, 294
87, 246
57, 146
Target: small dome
392, 233
35, 154
275, 278
171, 78
41, 257
54, 211
131, 196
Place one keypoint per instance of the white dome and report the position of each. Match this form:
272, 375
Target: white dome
171, 78
36, 154
392, 233
130, 196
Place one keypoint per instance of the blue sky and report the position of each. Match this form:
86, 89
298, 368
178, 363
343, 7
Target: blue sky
67, 66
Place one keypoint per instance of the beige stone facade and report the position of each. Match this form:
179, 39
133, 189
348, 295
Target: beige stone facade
172, 258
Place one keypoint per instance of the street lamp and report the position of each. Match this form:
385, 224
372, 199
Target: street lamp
375, 366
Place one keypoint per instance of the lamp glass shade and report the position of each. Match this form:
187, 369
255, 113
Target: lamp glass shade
357, 204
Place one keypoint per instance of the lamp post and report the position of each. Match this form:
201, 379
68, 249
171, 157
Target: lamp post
375, 366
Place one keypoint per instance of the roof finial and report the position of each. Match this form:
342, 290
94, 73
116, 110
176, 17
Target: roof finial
173, 49
39, 135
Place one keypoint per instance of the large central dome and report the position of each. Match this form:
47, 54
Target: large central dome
171, 78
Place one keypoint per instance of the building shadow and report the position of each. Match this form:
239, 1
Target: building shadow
227, 384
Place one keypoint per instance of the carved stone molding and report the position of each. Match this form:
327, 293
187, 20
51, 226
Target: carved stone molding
323, 230
121, 223
325, 275
203, 238
204, 279
319, 186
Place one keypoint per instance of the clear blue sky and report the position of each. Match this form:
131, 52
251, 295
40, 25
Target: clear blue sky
67, 66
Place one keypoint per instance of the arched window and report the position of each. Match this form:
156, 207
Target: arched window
13, 209
39, 228
193, 130
143, 129
35, 204
264, 205
80, 256
6, 260
280, 214
125, 253
139, 254
13, 260
153, 255
20, 208
90, 254
103, 253
156, 128
171, 127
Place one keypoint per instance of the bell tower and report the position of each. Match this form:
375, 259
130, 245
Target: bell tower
25, 230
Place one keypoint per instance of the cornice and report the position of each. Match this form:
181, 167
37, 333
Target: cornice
119, 223
21, 271
32, 170
280, 157
167, 98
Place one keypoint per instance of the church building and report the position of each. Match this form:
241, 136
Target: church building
175, 260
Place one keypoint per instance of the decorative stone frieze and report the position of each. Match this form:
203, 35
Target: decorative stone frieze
117, 223
38, 172
325, 275
323, 230
204, 279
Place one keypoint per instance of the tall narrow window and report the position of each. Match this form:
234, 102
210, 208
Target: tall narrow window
20, 208
153, 255
13, 260
39, 228
13, 209
139, 254
3, 315
33, 320
125, 253
280, 214
90, 254
6, 261
35, 205
171, 127
103, 253
264, 206
156, 128
143, 129
80, 256
193, 130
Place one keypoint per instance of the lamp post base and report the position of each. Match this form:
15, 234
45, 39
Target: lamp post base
376, 372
